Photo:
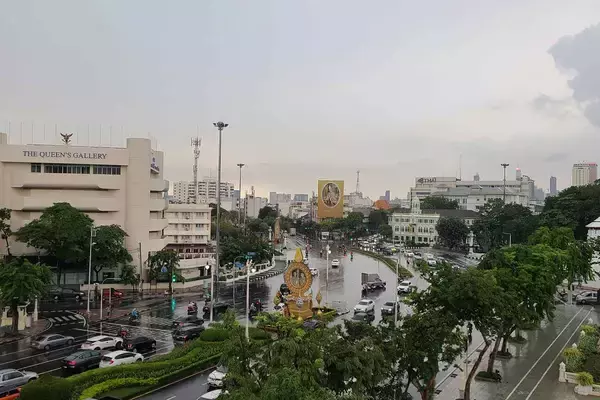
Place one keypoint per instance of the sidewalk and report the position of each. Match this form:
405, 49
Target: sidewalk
37, 328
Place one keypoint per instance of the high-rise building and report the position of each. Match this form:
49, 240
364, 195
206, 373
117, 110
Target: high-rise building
553, 190
184, 192
275, 198
387, 196
301, 197
584, 173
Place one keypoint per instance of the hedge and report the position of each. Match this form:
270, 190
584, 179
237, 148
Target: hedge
47, 387
113, 384
214, 335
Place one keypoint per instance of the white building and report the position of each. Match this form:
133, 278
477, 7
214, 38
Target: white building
188, 233
275, 198
419, 226
593, 229
584, 174
254, 204
122, 186
184, 192
355, 199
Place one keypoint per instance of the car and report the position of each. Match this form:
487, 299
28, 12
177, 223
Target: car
375, 283
102, 342
314, 271
212, 395
11, 394
590, 297
82, 360
120, 357
441, 260
187, 333
431, 262
187, 320
390, 307
115, 294
139, 344
218, 308
409, 254
215, 379
418, 256
335, 263
49, 341
59, 293
12, 378
405, 287
363, 317
365, 306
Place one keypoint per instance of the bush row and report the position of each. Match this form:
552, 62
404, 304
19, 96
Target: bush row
391, 264
113, 384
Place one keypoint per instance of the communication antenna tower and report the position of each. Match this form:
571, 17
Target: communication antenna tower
196, 142
358, 181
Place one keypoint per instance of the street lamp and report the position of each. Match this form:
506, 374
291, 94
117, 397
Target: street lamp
109, 294
396, 289
240, 196
235, 276
504, 165
248, 264
328, 252
92, 236
220, 126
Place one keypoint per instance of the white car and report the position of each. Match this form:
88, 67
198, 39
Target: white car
404, 287
431, 262
418, 257
365, 306
335, 263
409, 254
215, 379
102, 343
212, 395
314, 271
120, 358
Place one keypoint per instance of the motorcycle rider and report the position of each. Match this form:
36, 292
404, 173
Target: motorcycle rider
135, 314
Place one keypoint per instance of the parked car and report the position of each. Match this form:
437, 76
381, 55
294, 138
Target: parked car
187, 333
390, 307
187, 320
418, 256
586, 298
335, 263
215, 379
12, 378
404, 287
363, 317
409, 254
59, 293
120, 357
139, 344
82, 360
11, 394
47, 342
102, 343
365, 306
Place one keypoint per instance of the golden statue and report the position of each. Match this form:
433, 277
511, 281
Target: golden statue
299, 280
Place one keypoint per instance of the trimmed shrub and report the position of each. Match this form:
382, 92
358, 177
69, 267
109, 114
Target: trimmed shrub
101, 388
585, 379
214, 335
573, 359
48, 387
590, 330
587, 345
592, 365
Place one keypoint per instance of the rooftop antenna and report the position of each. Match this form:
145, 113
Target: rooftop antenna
196, 142
460, 168
358, 181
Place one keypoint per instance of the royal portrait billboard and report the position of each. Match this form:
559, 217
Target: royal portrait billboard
331, 199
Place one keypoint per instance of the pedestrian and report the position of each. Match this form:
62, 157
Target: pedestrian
470, 332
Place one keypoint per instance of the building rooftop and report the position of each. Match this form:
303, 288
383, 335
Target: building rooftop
444, 213
478, 190
594, 224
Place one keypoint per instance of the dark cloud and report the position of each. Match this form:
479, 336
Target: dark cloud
578, 55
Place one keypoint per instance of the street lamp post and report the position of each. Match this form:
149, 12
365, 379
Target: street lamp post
240, 196
235, 276
248, 264
327, 251
396, 290
109, 294
92, 235
504, 165
220, 126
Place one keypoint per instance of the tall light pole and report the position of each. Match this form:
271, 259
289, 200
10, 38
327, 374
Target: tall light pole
504, 165
240, 196
327, 251
220, 126
396, 289
248, 264
92, 235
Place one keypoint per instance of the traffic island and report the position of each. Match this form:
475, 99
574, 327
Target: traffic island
403, 273
487, 377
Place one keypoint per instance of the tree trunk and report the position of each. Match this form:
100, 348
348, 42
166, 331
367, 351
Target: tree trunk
492, 357
8, 253
15, 319
505, 343
474, 370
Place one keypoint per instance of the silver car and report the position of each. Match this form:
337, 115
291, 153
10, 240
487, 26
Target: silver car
47, 342
11, 378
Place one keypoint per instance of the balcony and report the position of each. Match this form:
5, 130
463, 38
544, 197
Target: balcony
196, 256
159, 185
92, 204
193, 240
157, 224
158, 204
67, 181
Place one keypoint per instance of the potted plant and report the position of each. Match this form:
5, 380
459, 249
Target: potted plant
585, 380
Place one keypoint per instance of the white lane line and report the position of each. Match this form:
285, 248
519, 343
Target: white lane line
171, 398
576, 331
543, 354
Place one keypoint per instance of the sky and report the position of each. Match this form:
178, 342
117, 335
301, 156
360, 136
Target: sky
313, 89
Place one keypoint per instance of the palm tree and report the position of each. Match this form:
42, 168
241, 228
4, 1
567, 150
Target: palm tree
22, 281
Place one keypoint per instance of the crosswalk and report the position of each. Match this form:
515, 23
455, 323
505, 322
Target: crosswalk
159, 323
67, 319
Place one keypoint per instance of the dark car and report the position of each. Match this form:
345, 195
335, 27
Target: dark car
60, 293
187, 320
364, 317
218, 308
82, 360
284, 289
187, 333
139, 344
390, 307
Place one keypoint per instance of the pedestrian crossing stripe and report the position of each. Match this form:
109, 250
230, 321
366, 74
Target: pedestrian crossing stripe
66, 319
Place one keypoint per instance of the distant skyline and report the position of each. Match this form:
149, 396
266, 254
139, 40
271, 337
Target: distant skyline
315, 89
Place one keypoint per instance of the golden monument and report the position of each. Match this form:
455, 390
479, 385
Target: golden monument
299, 280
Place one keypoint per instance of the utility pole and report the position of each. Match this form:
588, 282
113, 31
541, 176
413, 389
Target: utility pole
504, 165
196, 142
240, 196
220, 126
141, 265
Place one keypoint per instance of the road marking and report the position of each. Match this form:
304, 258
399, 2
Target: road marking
558, 354
171, 398
543, 354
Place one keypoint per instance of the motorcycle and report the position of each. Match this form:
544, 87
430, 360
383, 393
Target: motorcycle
206, 308
192, 309
134, 319
123, 333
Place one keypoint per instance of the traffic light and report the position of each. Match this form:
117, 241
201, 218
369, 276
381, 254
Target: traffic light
173, 278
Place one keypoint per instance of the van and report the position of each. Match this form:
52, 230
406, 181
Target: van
586, 298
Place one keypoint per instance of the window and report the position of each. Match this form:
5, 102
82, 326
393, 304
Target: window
107, 169
66, 169
36, 167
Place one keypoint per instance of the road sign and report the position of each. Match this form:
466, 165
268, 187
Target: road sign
164, 269
239, 265
251, 254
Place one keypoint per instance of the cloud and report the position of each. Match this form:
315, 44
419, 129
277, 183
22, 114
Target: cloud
556, 157
578, 55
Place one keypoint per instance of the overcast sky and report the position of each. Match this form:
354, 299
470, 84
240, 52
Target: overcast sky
314, 89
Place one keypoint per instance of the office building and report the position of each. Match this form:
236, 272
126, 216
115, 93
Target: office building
553, 189
584, 173
184, 192
275, 198
122, 186
301, 197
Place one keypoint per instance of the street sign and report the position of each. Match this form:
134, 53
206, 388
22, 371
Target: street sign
239, 265
251, 254
164, 269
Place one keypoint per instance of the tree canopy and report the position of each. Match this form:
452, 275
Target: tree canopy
5, 231
438, 203
452, 232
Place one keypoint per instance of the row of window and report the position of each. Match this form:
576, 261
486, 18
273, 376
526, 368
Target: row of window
420, 229
76, 169
417, 239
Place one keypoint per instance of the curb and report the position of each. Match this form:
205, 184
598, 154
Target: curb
16, 339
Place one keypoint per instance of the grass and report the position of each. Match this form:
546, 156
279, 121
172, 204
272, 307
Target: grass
391, 264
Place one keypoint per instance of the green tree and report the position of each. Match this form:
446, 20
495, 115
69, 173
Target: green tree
267, 211
438, 203
232, 248
452, 232
497, 220
62, 232
20, 282
385, 230
164, 258
109, 249
377, 218
129, 276
5, 231
257, 226
574, 208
